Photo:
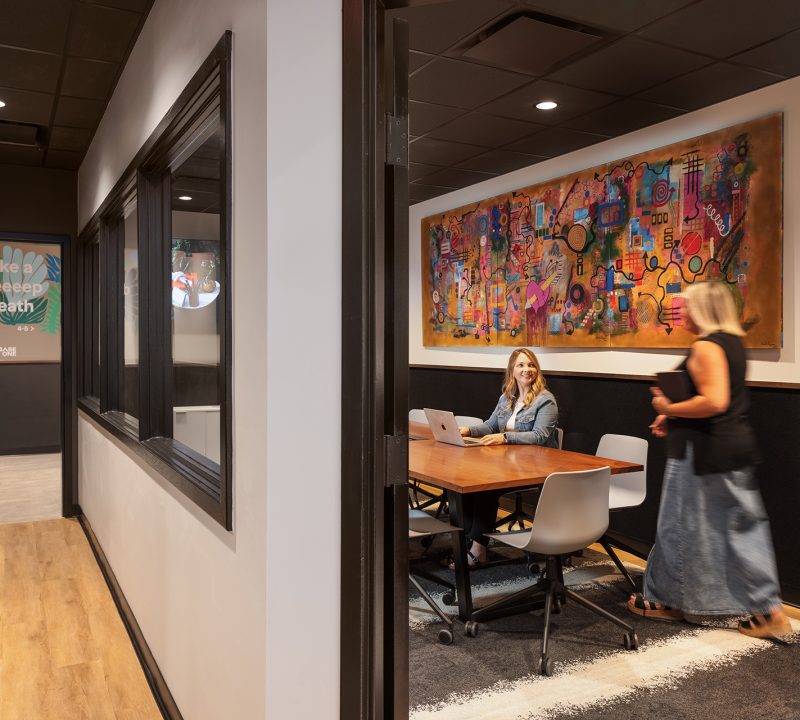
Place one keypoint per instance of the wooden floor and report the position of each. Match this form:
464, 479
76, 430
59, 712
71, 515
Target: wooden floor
30, 487
64, 652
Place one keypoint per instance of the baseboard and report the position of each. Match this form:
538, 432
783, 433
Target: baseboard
40, 450
158, 686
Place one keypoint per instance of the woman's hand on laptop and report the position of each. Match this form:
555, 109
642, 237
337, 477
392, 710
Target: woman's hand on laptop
495, 439
464, 431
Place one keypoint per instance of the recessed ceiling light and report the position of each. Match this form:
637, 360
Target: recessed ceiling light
185, 197
546, 105
2, 104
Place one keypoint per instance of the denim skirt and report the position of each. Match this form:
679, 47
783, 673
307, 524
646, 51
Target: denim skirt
713, 553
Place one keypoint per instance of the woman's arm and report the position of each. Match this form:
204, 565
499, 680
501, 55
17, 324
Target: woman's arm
543, 426
708, 368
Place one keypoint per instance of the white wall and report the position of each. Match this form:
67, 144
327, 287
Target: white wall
766, 365
224, 612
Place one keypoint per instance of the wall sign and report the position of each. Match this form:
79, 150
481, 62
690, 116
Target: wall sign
600, 258
30, 301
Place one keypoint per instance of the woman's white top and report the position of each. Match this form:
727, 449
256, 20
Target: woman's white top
513, 419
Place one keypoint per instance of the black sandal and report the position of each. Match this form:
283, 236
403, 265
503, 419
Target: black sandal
649, 609
472, 562
766, 627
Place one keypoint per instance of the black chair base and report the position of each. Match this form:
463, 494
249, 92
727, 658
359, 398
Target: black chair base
555, 597
605, 541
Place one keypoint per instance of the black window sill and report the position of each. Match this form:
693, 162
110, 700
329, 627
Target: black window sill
194, 475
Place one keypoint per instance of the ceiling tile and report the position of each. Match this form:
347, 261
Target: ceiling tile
722, 28
457, 177
500, 161
13, 155
417, 171
88, 78
78, 112
480, 129
623, 117
709, 85
102, 33
619, 15
555, 141
461, 84
134, 5
25, 106
530, 46
27, 70
436, 27
521, 104
40, 25
423, 117
418, 193
417, 59
779, 56
63, 159
629, 66
68, 138
441, 152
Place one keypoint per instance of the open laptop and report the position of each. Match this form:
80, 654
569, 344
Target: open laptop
445, 429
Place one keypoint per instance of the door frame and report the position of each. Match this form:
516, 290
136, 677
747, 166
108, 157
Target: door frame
69, 414
374, 537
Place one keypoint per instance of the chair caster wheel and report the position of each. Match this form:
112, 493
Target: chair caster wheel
630, 641
534, 569
566, 561
471, 628
557, 606
545, 666
449, 599
427, 541
445, 636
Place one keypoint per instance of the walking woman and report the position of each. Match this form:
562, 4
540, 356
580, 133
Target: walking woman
713, 553
526, 414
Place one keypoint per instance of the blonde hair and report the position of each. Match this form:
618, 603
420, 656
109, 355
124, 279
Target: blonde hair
712, 308
510, 388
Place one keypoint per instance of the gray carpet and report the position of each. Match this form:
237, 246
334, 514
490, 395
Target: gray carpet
682, 670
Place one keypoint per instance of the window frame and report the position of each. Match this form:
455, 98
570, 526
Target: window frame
148, 177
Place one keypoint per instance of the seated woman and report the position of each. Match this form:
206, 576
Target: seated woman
526, 414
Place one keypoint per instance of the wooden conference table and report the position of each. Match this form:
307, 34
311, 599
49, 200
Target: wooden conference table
494, 467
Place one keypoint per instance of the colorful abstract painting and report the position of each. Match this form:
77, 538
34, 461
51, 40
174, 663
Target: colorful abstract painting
30, 301
601, 258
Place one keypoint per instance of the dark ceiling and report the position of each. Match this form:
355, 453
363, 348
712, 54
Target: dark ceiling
478, 68
59, 63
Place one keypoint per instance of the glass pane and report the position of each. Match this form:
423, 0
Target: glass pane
130, 348
196, 277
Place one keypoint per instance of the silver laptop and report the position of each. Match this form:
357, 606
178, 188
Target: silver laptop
445, 429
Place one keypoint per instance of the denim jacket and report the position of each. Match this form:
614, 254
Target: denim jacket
534, 425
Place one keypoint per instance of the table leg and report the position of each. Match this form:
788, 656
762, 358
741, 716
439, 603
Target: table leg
463, 588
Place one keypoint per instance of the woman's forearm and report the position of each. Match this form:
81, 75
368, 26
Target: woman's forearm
697, 407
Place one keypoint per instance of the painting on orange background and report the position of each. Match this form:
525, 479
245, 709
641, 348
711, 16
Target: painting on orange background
602, 257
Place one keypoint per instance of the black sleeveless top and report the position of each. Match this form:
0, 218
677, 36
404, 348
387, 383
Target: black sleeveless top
724, 442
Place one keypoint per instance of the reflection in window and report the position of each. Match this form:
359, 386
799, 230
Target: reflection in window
130, 349
196, 276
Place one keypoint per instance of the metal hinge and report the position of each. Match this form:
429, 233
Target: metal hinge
397, 140
396, 458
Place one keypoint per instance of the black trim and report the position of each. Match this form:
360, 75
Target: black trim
158, 685
39, 450
206, 98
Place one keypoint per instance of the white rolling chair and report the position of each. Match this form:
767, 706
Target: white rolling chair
518, 516
417, 415
416, 490
627, 489
467, 420
422, 525
572, 513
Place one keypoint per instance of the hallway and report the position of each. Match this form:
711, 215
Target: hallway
64, 652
